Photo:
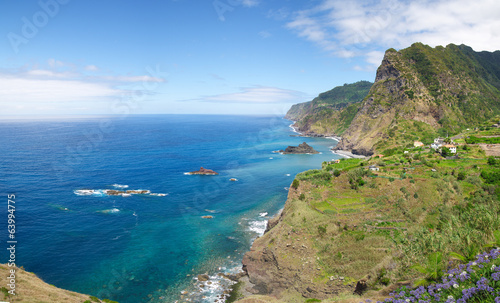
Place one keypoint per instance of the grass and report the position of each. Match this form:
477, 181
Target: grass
30, 289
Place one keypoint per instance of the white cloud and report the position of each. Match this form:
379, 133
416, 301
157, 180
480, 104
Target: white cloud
91, 68
54, 87
18, 89
365, 28
53, 63
259, 95
143, 78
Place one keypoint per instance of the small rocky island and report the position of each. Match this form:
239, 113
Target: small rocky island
203, 171
303, 148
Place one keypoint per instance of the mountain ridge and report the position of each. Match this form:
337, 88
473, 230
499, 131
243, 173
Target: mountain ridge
419, 93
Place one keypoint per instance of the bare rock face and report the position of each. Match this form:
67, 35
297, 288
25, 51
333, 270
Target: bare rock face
303, 148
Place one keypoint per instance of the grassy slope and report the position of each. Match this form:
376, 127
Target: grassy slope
31, 289
378, 230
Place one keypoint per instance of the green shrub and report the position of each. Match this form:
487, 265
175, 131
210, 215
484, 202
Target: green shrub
336, 173
94, 299
295, 183
302, 197
321, 230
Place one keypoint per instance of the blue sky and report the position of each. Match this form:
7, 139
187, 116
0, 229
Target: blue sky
212, 57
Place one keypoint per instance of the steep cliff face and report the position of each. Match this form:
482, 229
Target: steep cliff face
331, 112
423, 89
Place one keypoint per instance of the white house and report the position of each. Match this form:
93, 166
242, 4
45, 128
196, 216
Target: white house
373, 168
451, 147
438, 142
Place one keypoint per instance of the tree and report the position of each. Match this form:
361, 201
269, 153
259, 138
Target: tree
445, 151
492, 161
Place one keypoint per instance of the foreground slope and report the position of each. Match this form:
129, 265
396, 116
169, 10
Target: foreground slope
421, 92
31, 289
346, 224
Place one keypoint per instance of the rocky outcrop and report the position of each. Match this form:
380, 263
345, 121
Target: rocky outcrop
203, 171
303, 148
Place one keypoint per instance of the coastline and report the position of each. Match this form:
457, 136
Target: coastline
312, 135
242, 287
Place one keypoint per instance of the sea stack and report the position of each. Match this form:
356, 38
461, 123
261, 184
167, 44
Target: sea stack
303, 148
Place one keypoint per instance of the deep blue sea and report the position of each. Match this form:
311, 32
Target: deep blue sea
147, 247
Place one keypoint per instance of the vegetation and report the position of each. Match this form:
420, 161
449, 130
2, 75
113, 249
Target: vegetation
475, 140
407, 221
332, 111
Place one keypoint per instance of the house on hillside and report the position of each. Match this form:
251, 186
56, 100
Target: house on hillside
373, 168
438, 142
336, 161
451, 147
418, 144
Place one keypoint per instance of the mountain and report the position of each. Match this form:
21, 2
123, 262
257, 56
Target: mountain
421, 92
331, 112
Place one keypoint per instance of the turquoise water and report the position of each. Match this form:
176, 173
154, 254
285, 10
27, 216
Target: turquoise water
145, 248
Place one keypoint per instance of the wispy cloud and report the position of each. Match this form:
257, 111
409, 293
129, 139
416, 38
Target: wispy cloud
249, 3
259, 95
23, 89
365, 28
265, 34
63, 82
91, 68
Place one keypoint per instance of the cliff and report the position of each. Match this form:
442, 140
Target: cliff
331, 112
422, 92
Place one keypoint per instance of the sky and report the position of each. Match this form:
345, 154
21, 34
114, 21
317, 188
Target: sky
63, 57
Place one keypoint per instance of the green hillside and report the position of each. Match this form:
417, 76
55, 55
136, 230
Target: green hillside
424, 92
331, 112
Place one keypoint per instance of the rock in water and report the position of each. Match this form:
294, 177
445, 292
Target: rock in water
303, 148
203, 171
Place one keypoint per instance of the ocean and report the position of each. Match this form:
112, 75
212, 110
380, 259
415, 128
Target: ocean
146, 247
